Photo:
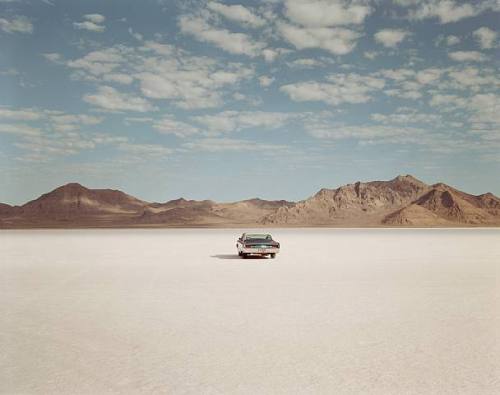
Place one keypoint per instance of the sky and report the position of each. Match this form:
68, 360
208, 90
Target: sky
228, 100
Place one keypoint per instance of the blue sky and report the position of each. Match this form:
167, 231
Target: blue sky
232, 100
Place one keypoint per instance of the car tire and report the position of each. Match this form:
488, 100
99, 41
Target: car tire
244, 256
272, 256
240, 253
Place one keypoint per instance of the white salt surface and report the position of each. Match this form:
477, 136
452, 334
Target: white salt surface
175, 311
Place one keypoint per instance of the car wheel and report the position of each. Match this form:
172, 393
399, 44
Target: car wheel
272, 256
240, 253
244, 256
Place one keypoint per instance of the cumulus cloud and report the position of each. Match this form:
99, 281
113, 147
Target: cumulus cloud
341, 88
19, 129
390, 38
448, 11
338, 41
237, 13
325, 13
485, 37
406, 117
467, 56
271, 54
53, 57
368, 134
95, 18
98, 62
429, 76
191, 83
265, 81
228, 144
233, 121
163, 72
91, 22
473, 79
151, 150
169, 125
449, 40
17, 24
57, 133
306, 63
110, 99
20, 114
119, 78
235, 43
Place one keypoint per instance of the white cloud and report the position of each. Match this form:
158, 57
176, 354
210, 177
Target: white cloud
485, 37
486, 111
20, 114
306, 63
271, 54
137, 36
325, 13
193, 83
233, 121
429, 76
390, 38
120, 78
447, 100
152, 150
19, 129
110, 99
265, 81
467, 56
473, 78
53, 57
169, 125
92, 22
90, 26
409, 117
163, 72
448, 11
227, 144
452, 40
82, 119
368, 134
58, 134
370, 54
237, 13
341, 88
338, 41
397, 74
18, 24
98, 62
235, 43
95, 18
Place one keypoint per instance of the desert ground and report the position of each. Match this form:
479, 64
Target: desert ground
344, 311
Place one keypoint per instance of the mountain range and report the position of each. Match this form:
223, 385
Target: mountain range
402, 201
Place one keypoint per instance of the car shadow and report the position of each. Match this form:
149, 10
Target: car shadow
235, 256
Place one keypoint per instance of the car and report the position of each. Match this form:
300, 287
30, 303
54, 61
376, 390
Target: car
257, 244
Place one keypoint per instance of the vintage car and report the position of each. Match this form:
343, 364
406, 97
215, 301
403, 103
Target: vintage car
257, 244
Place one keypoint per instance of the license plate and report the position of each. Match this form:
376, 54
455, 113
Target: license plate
262, 250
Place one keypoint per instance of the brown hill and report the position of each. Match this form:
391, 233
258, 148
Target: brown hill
446, 205
206, 212
6, 209
402, 201
356, 204
74, 200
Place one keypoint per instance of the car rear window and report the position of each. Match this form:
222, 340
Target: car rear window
259, 236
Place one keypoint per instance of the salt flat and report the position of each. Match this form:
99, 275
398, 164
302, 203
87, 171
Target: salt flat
381, 311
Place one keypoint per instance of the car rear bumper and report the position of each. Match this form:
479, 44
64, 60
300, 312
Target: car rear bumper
260, 251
